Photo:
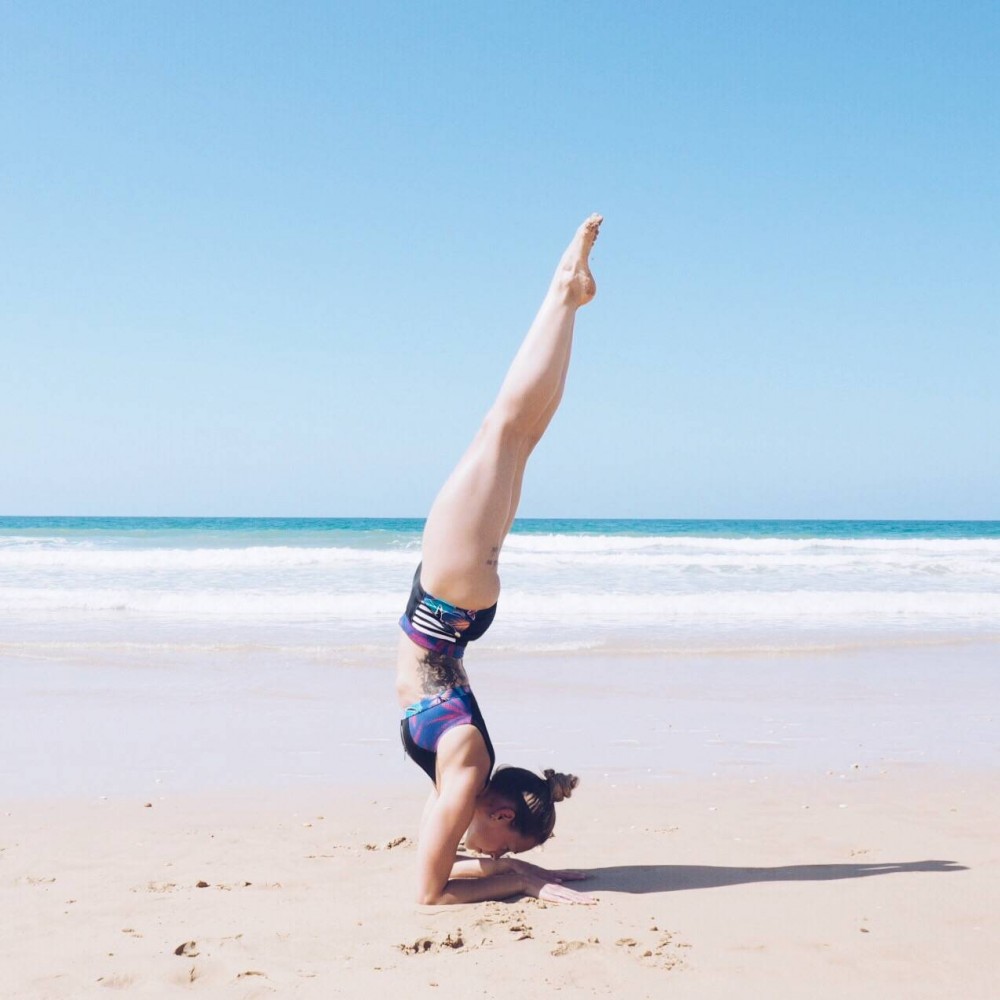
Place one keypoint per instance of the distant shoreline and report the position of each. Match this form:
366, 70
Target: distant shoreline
668, 527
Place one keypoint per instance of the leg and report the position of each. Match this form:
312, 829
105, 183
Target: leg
533, 439
474, 510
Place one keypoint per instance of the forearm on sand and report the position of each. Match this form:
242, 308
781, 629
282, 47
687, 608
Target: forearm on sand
468, 867
471, 888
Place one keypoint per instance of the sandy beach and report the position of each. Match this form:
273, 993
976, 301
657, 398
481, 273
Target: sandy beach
764, 826
657, 339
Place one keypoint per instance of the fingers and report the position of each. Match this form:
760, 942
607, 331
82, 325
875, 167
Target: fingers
555, 893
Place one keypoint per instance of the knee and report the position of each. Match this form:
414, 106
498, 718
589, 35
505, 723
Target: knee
510, 427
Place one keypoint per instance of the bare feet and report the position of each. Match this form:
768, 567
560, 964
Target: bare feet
573, 277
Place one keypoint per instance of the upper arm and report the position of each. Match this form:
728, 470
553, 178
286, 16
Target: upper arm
445, 822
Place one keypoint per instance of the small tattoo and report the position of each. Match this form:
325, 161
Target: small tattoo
494, 557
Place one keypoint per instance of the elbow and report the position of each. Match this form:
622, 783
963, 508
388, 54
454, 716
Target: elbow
430, 895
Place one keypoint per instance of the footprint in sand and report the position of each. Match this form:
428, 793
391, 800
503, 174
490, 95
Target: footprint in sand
567, 947
658, 951
155, 887
421, 946
395, 842
418, 947
515, 921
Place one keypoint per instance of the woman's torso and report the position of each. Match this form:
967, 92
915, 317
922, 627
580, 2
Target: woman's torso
421, 673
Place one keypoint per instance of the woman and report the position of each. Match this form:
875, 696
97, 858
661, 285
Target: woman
443, 729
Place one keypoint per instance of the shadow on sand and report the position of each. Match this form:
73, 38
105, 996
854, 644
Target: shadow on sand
671, 878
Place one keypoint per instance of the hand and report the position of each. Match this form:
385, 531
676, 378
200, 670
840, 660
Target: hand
554, 892
535, 871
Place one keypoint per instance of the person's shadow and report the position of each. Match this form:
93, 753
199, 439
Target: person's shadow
672, 878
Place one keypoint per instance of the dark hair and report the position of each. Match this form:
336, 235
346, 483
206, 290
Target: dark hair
534, 799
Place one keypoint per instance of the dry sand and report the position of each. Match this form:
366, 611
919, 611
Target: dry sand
743, 875
860, 885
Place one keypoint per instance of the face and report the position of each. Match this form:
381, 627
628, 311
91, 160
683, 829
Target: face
490, 831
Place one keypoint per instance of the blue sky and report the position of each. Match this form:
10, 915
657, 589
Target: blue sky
272, 259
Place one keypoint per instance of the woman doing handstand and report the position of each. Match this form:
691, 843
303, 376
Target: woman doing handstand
443, 730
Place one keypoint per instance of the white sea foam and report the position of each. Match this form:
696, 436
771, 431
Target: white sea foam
194, 603
262, 557
958, 557
711, 543
560, 591
577, 610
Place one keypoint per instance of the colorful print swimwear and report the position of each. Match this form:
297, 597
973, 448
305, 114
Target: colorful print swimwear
439, 626
426, 721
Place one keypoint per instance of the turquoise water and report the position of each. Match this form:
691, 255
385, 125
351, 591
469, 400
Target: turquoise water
381, 528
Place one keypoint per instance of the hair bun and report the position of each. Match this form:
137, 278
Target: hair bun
560, 785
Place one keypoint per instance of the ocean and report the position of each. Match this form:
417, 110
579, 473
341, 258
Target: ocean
334, 588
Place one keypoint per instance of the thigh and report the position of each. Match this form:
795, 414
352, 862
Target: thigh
470, 518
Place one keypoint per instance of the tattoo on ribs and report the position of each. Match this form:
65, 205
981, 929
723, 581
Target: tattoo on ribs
438, 671
493, 559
